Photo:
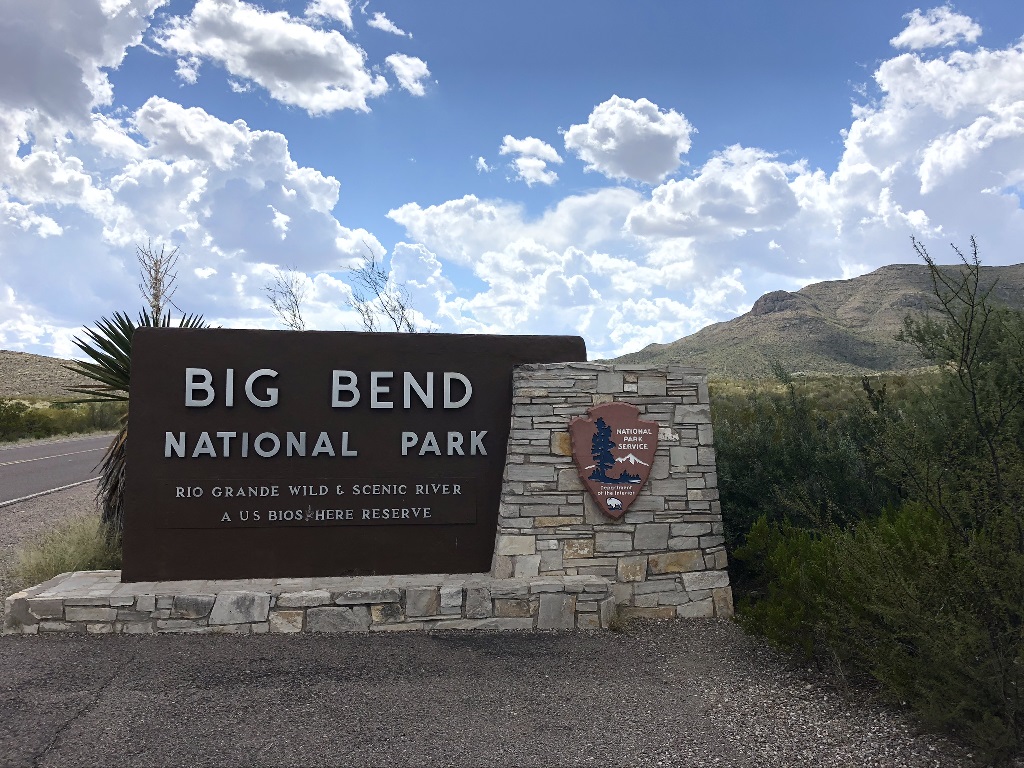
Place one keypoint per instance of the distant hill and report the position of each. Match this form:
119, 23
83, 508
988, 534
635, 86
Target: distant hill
35, 376
835, 327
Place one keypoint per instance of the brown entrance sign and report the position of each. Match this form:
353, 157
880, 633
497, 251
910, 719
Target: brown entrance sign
614, 450
279, 453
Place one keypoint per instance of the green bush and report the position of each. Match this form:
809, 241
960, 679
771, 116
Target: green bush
19, 420
79, 543
886, 538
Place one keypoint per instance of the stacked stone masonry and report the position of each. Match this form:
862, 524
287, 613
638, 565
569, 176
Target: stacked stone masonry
97, 602
666, 556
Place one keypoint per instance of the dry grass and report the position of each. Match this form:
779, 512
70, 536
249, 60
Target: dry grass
79, 543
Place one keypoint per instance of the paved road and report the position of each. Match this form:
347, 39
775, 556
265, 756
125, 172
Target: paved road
686, 693
26, 470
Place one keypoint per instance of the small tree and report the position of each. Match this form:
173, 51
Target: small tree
287, 294
378, 300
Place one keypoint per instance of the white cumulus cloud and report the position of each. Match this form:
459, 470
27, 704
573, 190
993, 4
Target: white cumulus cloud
410, 71
532, 158
935, 27
339, 10
626, 139
318, 70
383, 23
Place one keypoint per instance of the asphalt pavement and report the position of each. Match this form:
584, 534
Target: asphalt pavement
40, 467
682, 693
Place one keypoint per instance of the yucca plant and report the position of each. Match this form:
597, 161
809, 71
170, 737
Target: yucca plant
109, 348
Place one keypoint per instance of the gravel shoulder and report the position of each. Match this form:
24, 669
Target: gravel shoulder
681, 693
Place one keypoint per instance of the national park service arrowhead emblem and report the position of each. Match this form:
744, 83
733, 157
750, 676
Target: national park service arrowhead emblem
614, 450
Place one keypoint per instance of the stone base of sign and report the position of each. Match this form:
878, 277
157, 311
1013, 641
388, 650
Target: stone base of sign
97, 602
666, 556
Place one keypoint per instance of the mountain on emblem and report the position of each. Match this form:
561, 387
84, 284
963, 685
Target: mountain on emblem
613, 450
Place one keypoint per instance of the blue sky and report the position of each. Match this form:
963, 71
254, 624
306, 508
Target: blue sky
629, 172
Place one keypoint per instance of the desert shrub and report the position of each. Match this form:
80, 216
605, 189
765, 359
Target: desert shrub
19, 420
921, 587
79, 543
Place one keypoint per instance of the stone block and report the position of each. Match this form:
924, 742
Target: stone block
651, 536
706, 456
557, 611
85, 613
489, 623
99, 629
660, 612
386, 613
192, 606
588, 621
692, 414
632, 568
422, 601
551, 560
285, 621
341, 619
691, 529
46, 607
705, 580
502, 567
722, 597
705, 434
676, 562
512, 608
681, 458
701, 609
561, 444
609, 382
613, 541
305, 599
240, 608
515, 545
607, 610
576, 549
177, 625
367, 595
135, 627
146, 603
526, 566
478, 603
569, 480
710, 542
451, 600
554, 522
683, 542
534, 473
651, 386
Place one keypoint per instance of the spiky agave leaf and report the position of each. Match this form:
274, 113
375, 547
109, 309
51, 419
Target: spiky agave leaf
109, 347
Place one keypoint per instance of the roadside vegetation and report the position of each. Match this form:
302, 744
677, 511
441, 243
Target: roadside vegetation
877, 527
27, 420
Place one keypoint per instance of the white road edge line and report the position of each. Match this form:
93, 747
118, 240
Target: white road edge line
43, 493
43, 458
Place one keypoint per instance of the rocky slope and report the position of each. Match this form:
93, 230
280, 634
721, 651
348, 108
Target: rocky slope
34, 376
835, 327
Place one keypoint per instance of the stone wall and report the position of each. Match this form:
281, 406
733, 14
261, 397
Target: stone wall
666, 555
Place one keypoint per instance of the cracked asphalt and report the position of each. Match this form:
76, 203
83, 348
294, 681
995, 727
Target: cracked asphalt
683, 693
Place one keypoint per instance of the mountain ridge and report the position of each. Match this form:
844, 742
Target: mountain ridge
843, 327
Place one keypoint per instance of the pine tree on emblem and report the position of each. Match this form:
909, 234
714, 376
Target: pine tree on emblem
601, 451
